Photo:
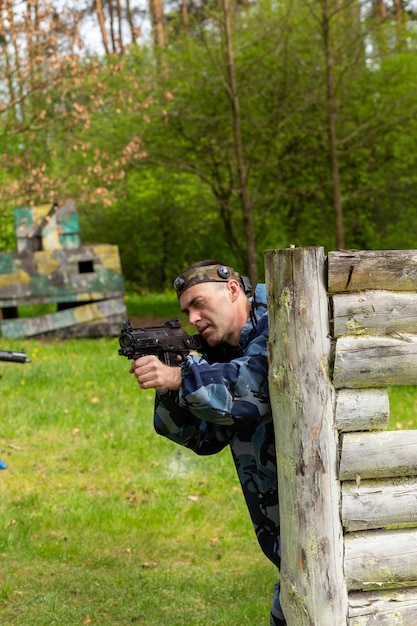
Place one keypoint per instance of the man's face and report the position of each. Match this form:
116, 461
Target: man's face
211, 309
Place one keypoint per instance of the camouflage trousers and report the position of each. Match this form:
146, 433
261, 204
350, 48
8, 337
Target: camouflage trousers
277, 616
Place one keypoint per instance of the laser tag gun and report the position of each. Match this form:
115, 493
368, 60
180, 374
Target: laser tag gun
14, 357
166, 342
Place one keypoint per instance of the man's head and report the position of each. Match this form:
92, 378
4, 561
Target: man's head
212, 295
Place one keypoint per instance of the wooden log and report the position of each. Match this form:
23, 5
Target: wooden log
109, 328
374, 313
383, 608
302, 398
83, 317
362, 409
378, 455
377, 559
375, 361
355, 270
379, 503
65, 299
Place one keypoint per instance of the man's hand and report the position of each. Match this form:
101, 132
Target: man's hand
151, 373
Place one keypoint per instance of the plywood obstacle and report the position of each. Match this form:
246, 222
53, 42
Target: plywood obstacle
84, 283
343, 328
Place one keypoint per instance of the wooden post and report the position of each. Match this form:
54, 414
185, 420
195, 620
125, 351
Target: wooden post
302, 398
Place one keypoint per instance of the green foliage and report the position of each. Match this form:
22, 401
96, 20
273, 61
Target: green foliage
145, 142
403, 405
154, 225
7, 232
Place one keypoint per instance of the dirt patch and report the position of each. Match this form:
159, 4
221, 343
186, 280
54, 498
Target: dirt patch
140, 322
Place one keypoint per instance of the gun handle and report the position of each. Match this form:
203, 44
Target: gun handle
170, 358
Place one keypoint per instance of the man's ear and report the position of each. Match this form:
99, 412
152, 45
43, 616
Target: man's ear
234, 288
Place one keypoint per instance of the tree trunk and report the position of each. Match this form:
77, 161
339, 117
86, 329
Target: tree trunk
8, 68
156, 8
102, 24
233, 94
185, 17
129, 16
119, 26
112, 28
17, 78
399, 23
332, 133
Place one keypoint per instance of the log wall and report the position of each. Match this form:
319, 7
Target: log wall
369, 318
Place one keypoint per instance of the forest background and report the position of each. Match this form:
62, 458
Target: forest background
191, 129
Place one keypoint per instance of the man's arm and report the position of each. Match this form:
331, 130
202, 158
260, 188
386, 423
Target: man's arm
233, 394
151, 373
215, 399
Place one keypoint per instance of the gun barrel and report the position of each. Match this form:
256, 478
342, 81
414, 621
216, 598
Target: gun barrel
14, 357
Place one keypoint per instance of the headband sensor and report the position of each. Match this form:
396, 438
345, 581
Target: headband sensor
204, 274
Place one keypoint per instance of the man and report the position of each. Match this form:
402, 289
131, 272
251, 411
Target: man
222, 398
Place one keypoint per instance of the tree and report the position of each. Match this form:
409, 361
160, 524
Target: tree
203, 129
229, 9
51, 91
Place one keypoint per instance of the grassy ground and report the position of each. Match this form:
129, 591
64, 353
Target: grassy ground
102, 521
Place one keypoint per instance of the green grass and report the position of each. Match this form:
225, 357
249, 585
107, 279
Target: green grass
101, 520
403, 407
153, 305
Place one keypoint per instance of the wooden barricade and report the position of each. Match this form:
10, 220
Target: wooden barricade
342, 330
83, 282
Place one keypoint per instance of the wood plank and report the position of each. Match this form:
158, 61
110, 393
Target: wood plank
383, 608
356, 270
375, 361
362, 409
377, 559
302, 398
374, 313
62, 299
108, 328
100, 312
379, 503
378, 455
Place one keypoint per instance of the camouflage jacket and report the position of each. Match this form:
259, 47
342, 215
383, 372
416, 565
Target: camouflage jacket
225, 401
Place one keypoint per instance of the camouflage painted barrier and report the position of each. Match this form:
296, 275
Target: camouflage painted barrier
50, 266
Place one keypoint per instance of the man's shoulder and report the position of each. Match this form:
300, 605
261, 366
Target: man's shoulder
260, 297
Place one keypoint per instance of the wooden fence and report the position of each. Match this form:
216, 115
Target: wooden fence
343, 329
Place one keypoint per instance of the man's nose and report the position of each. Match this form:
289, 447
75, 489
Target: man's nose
194, 317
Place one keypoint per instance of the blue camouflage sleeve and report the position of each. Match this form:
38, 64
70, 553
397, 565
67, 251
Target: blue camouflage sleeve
217, 399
